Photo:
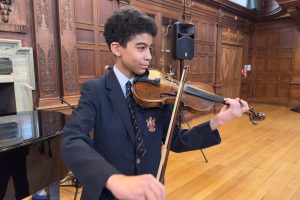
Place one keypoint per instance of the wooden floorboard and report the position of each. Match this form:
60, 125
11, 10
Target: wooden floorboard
252, 162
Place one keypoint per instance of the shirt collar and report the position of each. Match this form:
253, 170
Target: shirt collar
122, 79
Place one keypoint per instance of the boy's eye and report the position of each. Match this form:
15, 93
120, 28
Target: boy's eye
141, 48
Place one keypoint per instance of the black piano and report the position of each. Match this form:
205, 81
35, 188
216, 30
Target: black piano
30, 152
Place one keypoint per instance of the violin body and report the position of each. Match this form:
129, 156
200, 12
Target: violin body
147, 94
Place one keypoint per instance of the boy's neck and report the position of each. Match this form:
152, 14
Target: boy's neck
124, 71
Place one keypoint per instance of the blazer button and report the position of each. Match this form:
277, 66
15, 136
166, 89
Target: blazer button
138, 161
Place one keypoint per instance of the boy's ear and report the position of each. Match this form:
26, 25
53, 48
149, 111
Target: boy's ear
115, 48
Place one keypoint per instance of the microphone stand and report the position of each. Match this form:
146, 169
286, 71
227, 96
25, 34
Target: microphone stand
64, 101
70, 176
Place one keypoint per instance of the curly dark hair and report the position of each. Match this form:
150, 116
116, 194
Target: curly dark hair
126, 23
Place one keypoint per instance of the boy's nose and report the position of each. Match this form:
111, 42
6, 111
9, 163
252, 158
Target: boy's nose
148, 55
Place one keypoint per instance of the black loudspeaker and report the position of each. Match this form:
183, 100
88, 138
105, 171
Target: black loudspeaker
183, 35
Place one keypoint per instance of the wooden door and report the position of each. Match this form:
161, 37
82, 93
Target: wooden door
231, 65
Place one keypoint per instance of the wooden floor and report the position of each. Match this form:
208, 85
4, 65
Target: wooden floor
253, 162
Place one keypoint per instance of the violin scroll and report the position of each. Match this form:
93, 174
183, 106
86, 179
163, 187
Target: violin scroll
254, 117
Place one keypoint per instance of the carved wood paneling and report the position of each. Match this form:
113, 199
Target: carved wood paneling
43, 13
69, 62
5, 9
232, 37
13, 16
47, 72
12, 12
51, 122
66, 8
70, 70
46, 61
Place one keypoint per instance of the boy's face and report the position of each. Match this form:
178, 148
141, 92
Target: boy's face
135, 57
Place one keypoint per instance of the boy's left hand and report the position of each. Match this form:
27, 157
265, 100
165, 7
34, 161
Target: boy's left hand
234, 109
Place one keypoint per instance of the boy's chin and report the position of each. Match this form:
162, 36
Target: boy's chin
141, 71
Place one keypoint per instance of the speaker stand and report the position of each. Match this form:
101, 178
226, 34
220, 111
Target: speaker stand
187, 123
181, 61
297, 109
181, 112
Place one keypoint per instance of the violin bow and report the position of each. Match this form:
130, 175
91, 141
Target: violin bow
167, 146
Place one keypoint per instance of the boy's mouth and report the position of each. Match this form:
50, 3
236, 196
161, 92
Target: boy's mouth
144, 66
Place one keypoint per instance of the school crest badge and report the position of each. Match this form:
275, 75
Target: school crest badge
151, 124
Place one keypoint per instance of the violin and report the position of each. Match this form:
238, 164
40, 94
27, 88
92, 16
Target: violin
156, 89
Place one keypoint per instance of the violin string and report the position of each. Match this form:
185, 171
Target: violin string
203, 94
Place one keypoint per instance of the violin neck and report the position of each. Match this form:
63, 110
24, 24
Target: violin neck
203, 94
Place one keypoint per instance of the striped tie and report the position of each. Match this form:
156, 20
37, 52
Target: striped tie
140, 147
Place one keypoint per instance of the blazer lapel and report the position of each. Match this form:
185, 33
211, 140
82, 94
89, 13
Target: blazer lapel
117, 98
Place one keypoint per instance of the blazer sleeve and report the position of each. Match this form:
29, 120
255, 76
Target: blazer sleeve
91, 169
199, 137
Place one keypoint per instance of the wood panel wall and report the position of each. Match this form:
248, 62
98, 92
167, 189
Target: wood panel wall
295, 82
275, 64
92, 51
69, 47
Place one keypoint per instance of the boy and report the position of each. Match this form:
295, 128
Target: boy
111, 166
